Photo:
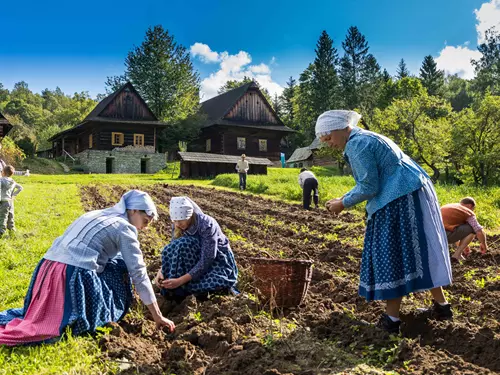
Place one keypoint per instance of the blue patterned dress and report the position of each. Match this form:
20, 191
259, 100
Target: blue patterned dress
203, 252
405, 248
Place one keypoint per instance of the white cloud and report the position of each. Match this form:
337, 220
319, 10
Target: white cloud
204, 52
488, 16
457, 60
260, 69
232, 67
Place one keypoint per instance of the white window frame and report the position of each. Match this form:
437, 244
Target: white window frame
241, 141
263, 142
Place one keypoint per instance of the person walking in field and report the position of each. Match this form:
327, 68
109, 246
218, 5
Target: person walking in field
199, 260
242, 168
405, 247
84, 280
462, 226
309, 184
9, 189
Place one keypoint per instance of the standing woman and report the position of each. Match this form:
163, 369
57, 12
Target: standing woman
83, 281
405, 247
199, 259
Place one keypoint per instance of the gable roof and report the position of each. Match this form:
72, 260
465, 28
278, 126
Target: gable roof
316, 144
103, 104
219, 106
300, 154
303, 153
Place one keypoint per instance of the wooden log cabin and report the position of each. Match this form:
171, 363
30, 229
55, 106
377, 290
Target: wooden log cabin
5, 126
119, 120
241, 121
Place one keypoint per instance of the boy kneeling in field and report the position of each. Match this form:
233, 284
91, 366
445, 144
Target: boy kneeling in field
9, 190
462, 226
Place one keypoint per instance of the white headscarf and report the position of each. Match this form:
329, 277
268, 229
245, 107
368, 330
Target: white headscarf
134, 200
182, 208
131, 200
335, 120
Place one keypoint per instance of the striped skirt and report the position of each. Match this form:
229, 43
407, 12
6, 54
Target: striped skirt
61, 296
405, 248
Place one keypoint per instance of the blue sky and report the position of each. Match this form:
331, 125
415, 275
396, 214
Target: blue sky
75, 45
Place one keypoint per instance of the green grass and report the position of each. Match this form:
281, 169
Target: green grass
283, 183
43, 213
40, 165
49, 203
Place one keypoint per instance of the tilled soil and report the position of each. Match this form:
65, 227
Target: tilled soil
329, 333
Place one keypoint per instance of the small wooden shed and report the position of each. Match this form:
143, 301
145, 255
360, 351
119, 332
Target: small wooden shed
199, 164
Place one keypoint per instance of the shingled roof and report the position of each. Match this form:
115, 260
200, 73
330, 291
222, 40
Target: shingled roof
202, 157
219, 106
99, 108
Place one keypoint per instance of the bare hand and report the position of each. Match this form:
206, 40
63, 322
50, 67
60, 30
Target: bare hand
483, 248
161, 322
335, 206
158, 279
172, 283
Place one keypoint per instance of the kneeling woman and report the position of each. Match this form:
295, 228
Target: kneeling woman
83, 280
199, 259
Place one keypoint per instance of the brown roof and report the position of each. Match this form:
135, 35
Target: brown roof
108, 99
94, 115
219, 106
202, 157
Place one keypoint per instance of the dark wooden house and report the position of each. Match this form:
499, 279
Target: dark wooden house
5, 126
119, 120
241, 121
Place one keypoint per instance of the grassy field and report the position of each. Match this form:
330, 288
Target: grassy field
50, 203
43, 213
283, 184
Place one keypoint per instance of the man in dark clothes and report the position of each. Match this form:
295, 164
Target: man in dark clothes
309, 184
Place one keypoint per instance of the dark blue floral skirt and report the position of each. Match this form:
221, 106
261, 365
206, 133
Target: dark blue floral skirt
183, 253
405, 248
91, 300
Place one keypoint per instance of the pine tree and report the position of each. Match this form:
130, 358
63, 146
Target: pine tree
402, 71
325, 82
162, 72
487, 67
306, 116
288, 99
370, 89
352, 67
386, 76
432, 78
277, 105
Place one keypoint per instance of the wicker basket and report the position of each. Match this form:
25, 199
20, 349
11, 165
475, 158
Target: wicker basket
282, 282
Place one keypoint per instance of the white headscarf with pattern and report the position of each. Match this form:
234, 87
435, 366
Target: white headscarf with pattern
182, 208
335, 120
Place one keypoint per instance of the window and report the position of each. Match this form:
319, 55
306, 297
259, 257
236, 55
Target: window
208, 145
91, 141
242, 143
263, 145
117, 139
138, 139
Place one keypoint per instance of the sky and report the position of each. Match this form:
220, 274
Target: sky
76, 45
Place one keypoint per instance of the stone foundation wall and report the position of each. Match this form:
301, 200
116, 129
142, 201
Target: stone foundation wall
100, 161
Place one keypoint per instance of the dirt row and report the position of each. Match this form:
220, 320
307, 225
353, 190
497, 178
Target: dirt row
329, 333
